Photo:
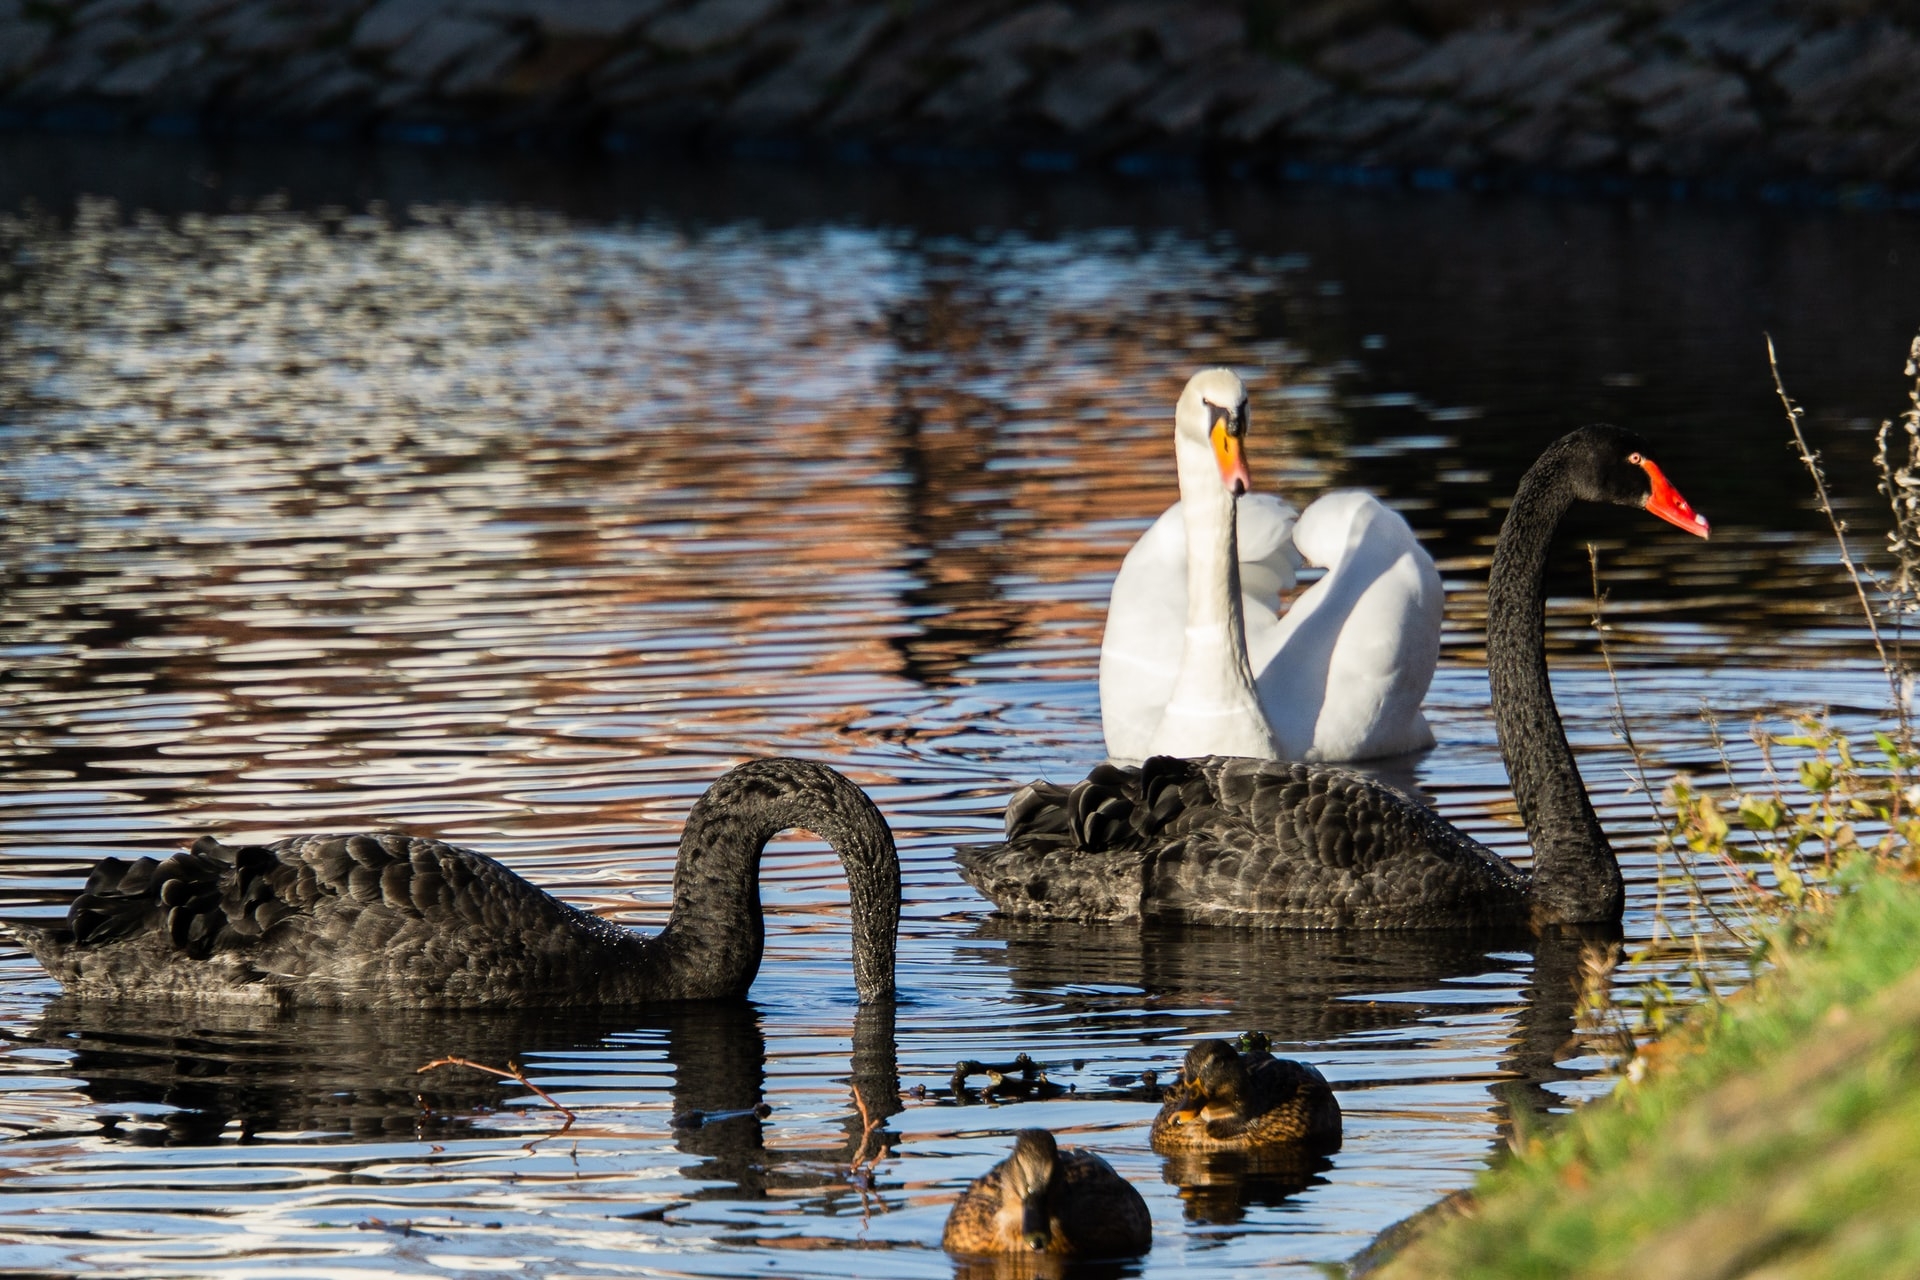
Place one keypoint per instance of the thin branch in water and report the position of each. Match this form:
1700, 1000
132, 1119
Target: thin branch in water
1811, 461
513, 1072
869, 1127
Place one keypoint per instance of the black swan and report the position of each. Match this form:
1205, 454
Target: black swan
1042, 1199
1229, 840
1232, 1101
388, 920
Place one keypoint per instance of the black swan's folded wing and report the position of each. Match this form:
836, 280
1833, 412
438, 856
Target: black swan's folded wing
319, 919
1231, 840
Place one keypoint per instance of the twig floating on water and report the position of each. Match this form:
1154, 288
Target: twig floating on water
513, 1072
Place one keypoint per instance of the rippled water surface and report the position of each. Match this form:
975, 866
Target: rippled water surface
514, 513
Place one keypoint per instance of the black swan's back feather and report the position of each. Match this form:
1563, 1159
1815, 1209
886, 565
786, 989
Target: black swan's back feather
325, 919
1226, 840
392, 920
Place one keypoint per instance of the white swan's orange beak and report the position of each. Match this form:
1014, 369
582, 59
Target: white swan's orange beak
1229, 453
1665, 501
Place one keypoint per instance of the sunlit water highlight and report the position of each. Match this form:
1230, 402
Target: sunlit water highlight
518, 528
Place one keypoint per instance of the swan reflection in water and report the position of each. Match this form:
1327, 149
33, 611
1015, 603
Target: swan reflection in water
1307, 990
198, 1075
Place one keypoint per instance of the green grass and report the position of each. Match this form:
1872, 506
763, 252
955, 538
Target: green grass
1776, 1135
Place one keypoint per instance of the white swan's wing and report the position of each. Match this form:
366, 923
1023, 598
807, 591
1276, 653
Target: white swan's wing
1145, 637
1343, 674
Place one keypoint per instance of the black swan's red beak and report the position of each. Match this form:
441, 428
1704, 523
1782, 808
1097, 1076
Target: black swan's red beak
1666, 502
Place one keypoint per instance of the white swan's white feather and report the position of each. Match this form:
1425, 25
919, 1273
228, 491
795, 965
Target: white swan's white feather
1342, 674
1147, 613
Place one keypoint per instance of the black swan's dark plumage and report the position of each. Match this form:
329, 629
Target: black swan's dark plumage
1230, 840
391, 920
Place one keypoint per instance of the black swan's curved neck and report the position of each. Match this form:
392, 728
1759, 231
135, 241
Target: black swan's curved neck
1576, 878
712, 942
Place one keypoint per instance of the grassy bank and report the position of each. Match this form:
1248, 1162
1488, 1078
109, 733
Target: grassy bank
1777, 1134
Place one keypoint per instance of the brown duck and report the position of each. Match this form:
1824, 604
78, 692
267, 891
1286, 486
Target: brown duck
1232, 1101
1042, 1199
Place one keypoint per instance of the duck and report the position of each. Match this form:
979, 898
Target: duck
1047, 1199
1227, 1100
1242, 839
391, 921
1339, 676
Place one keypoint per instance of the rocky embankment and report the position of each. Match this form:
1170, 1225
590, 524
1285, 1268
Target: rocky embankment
1755, 91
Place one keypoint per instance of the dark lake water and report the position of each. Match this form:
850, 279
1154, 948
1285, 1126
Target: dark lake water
512, 501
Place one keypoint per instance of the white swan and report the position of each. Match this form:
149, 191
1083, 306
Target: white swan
1339, 677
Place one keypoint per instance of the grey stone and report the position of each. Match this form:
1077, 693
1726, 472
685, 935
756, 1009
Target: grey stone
1044, 26
1355, 121
1848, 71
21, 45
484, 68
1381, 49
66, 73
395, 94
709, 24
203, 81
1443, 134
574, 19
1588, 149
1902, 107
1182, 105
388, 24
1281, 95
1732, 30
623, 68
1312, 23
983, 91
1083, 95
1192, 32
1656, 81
1554, 68
268, 27
1451, 63
1531, 140
343, 87
191, 10
439, 44
1184, 31
104, 39
800, 89
1713, 105
715, 73
146, 73
884, 93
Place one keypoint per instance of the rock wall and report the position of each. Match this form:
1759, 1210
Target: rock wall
1752, 91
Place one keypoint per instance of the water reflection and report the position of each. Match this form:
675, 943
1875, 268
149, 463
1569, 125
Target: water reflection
167, 1076
516, 528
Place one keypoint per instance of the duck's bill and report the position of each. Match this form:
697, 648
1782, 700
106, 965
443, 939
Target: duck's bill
1666, 502
1232, 457
1035, 1228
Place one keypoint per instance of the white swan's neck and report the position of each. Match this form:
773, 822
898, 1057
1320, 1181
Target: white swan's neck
1214, 709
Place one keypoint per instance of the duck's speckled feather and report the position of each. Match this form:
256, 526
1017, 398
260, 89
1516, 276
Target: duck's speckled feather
1290, 1104
1092, 1213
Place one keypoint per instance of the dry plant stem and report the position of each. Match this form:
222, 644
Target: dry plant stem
1699, 894
1811, 461
513, 1072
869, 1126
